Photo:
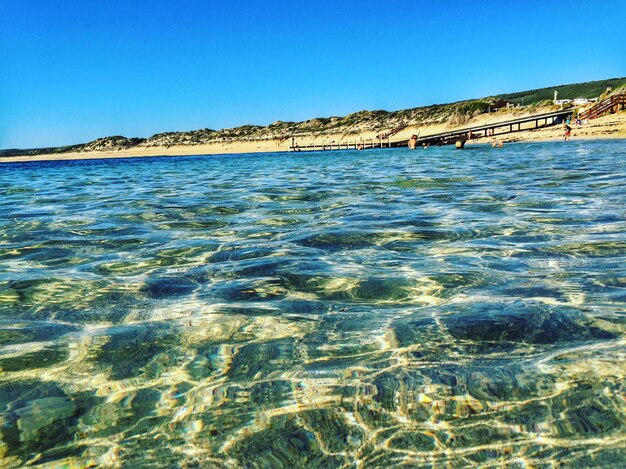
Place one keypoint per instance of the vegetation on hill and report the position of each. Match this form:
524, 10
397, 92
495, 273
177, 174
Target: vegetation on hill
356, 123
590, 89
113, 143
40, 151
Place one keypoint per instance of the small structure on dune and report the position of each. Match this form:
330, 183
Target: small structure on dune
500, 104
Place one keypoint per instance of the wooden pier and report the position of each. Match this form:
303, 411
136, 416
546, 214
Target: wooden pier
450, 137
491, 130
345, 145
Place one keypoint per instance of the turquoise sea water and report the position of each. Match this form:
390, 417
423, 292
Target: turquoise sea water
427, 308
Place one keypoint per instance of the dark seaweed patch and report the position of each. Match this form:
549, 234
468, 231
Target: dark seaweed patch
165, 287
522, 323
130, 348
283, 445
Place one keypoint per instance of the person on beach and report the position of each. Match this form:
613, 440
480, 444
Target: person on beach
413, 142
568, 131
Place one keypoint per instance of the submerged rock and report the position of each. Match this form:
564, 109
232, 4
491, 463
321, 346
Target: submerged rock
38, 414
521, 322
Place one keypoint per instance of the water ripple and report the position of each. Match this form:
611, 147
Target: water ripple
336, 309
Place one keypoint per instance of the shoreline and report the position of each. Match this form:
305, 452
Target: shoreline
118, 156
612, 126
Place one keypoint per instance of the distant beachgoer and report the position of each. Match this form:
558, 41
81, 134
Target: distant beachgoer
497, 143
359, 146
413, 142
294, 144
568, 131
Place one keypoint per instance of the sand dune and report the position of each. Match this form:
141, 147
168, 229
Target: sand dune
610, 126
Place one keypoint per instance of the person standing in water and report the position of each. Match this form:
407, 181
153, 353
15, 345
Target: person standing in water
568, 130
413, 142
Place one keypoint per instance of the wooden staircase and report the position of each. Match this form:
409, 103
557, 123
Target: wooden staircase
610, 104
392, 132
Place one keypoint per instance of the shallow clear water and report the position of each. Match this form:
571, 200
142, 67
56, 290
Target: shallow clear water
337, 309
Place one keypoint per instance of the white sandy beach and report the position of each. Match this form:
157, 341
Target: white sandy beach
609, 126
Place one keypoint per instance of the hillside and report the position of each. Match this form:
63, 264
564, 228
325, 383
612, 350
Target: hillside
590, 89
452, 114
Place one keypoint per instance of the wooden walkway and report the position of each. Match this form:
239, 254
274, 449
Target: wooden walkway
452, 136
610, 104
493, 129
344, 145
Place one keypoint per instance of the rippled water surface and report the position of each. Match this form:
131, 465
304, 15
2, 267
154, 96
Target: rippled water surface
434, 308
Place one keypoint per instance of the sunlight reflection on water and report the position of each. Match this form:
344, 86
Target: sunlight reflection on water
344, 309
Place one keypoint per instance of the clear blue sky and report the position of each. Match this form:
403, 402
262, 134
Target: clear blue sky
75, 70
